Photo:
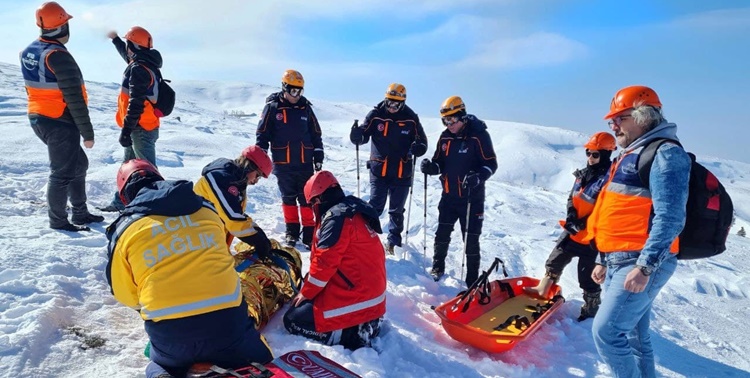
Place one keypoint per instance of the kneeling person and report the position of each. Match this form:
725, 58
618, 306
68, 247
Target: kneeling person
342, 300
168, 260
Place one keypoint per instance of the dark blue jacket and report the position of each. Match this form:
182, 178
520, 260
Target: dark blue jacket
470, 151
392, 135
291, 131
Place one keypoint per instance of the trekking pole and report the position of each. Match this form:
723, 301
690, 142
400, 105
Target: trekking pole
411, 198
424, 222
356, 124
466, 230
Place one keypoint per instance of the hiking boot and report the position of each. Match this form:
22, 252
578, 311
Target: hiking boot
591, 302
307, 236
87, 218
70, 227
390, 248
292, 234
437, 274
542, 290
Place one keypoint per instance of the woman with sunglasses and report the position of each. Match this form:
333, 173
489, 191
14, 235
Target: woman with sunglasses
289, 127
464, 159
588, 183
397, 139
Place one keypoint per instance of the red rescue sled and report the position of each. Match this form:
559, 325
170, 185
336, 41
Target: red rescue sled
495, 316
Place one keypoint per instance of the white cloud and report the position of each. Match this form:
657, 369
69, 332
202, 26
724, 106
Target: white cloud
724, 20
537, 49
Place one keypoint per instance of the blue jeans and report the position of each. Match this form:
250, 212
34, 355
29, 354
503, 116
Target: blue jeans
621, 325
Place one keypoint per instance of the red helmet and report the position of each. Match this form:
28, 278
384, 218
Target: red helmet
630, 97
51, 15
140, 37
319, 183
601, 141
259, 158
130, 167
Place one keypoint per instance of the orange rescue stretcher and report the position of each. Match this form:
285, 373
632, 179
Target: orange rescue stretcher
495, 316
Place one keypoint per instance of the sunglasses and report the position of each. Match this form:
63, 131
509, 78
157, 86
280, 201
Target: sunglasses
450, 120
617, 121
295, 92
393, 104
593, 154
396, 94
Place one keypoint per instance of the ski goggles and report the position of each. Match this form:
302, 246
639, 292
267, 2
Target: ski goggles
396, 94
394, 104
450, 120
617, 121
593, 154
294, 91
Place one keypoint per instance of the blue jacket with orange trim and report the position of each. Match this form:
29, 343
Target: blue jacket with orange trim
469, 151
392, 136
291, 131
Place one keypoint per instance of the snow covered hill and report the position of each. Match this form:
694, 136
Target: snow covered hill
58, 317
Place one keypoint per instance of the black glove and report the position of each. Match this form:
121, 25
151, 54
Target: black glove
318, 156
356, 134
125, 139
260, 241
472, 180
574, 226
417, 149
429, 167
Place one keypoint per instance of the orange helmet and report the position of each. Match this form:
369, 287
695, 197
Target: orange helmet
259, 158
293, 78
396, 92
452, 105
630, 97
140, 37
601, 141
51, 15
319, 183
131, 167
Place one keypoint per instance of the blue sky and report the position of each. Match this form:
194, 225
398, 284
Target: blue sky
548, 62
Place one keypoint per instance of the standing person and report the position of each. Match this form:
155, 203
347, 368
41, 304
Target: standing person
397, 139
289, 127
168, 260
59, 116
136, 115
342, 300
635, 226
464, 159
224, 183
581, 200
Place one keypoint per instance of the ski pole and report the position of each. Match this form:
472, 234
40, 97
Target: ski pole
356, 124
411, 198
424, 222
466, 230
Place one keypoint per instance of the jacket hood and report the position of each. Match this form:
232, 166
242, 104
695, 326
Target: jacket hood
472, 125
665, 130
151, 57
167, 198
279, 97
351, 205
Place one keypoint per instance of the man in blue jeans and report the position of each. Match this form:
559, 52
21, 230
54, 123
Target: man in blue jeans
635, 227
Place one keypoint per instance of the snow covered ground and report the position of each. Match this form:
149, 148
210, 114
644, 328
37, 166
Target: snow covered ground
58, 318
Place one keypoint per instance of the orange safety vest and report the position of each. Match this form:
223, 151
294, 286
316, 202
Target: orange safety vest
148, 121
44, 94
583, 199
621, 218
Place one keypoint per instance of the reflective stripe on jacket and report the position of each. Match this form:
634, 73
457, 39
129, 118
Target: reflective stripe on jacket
44, 94
621, 219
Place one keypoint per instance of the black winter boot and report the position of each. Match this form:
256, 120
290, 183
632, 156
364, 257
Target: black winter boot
591, 302
292, 234
87, 218
438, 260
307, 236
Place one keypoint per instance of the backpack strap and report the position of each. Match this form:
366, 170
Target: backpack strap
646, 158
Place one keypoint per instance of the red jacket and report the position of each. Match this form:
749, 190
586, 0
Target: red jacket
347, 281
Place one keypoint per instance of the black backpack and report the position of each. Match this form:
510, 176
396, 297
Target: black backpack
166, 97
709, 212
